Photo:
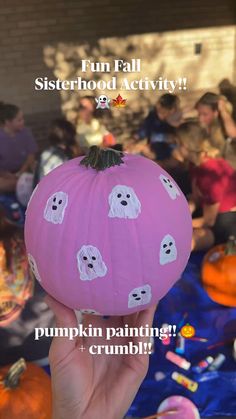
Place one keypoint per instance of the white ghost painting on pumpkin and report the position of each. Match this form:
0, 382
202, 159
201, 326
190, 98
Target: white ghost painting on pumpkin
169, 186
89, 311
55, 207
124, 202
139, 296
90, 263
168, 250
33, 267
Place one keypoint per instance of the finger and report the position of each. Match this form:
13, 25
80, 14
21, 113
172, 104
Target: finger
146, 316
145, 319
64, 316
65, 319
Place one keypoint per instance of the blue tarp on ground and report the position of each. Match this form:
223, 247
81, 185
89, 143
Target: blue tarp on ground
216, 392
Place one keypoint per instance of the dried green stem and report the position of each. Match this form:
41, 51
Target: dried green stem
101, 159
13, 376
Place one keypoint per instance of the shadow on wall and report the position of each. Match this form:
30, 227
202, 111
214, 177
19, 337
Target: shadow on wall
168, 56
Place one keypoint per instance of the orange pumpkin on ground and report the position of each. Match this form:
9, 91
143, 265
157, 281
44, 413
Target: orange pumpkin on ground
25, 392
219, 273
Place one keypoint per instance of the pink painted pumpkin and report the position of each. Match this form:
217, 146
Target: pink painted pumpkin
108, 234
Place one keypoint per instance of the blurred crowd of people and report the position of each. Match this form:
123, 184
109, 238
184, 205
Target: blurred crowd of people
198, 152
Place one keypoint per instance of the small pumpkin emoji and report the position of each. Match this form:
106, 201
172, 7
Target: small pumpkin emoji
108, 233
219, 273
188, 331
25, 392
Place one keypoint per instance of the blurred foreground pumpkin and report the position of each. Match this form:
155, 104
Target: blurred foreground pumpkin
219, 273
16, 284
25, 392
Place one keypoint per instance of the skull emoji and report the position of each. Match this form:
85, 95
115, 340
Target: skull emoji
168, 250
103, 102
90, 263
169, 186
55, 208
124, 202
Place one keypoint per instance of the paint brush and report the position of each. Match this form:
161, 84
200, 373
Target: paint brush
181, 323
198, 339
220, 343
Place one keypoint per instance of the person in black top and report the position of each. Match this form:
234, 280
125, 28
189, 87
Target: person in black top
159, 126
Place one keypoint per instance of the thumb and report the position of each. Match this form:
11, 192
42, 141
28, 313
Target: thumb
65, 320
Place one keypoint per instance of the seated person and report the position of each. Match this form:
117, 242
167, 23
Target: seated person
62, 148
89, 129
214, 113
228, 90
17, 147
159, 126
230, 127
213, 187
21, 300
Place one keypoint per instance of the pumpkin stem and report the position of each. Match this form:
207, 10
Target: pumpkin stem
231, 246
13, 376
101, 159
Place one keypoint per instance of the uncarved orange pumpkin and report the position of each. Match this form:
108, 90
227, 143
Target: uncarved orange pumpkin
25, 392
219, 273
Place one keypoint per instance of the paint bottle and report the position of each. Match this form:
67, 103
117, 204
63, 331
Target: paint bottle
180, 344
218, 361
15, 211
166, 341
178, 360
184, 381
234, 350
152, 342
203, 364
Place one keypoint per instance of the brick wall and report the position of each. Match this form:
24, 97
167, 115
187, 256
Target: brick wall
46, 38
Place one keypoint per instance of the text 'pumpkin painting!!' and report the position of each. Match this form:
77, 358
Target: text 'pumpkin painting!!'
108, 233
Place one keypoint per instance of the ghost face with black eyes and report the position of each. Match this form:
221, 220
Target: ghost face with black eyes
33, 267
90, 263
139, 296
55, 208
124, 202
89, 311
170, 187
102, 102
168, 250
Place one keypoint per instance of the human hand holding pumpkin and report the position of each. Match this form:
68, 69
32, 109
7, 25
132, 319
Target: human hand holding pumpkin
87, 386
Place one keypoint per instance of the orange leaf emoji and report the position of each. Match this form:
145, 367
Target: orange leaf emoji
119, 102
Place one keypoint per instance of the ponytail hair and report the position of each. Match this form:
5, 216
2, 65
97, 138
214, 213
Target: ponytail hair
196, 139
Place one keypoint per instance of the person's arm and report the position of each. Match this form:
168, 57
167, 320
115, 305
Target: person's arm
229, 124
7, 182
144, 129
209, 216
193, 198
28, 165
31, 149
87, 385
